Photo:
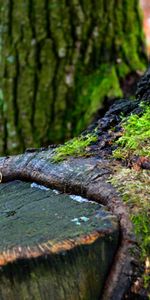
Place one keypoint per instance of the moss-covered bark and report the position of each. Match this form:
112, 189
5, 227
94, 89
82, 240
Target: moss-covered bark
59, 61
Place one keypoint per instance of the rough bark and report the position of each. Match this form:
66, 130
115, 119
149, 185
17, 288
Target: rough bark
59, 61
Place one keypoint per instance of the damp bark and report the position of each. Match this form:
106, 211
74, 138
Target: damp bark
59, 62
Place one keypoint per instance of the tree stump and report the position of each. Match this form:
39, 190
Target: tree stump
53, 247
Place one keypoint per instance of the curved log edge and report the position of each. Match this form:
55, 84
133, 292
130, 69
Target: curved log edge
42, 229
86, 177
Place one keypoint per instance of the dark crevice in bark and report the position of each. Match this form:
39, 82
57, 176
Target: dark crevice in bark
21, 33
105, 7
31, 18
46, 4
15, 101
124, 19
5, 136
72, 25
37, 68
71, 10
113, 52
37, 65
85, 47
89, 40
10, 19
33, 104
4, 121
103, 34
54, 82
54, 87
82, 7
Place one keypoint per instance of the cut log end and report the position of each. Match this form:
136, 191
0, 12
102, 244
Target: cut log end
53, 247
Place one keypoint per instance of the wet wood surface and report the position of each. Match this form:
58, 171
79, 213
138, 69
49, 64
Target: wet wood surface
80, 176
53, 246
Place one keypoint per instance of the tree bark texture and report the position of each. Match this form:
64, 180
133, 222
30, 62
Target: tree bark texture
59, 61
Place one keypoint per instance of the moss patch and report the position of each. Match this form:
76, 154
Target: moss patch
135, 139
91, 92
75, 147
134, 184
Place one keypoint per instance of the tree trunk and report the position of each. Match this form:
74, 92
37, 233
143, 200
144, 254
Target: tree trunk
59, 62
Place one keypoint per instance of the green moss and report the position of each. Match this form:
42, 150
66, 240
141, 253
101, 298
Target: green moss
134, 188
131, 46
91, 92
135, 139
122, 69
75, 147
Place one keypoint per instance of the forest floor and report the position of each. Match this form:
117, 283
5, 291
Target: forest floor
127, 144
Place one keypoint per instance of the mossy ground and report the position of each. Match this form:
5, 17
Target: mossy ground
134, 187
134, 183
135, 139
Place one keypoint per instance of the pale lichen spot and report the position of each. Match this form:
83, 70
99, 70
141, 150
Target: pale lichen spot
62, 52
